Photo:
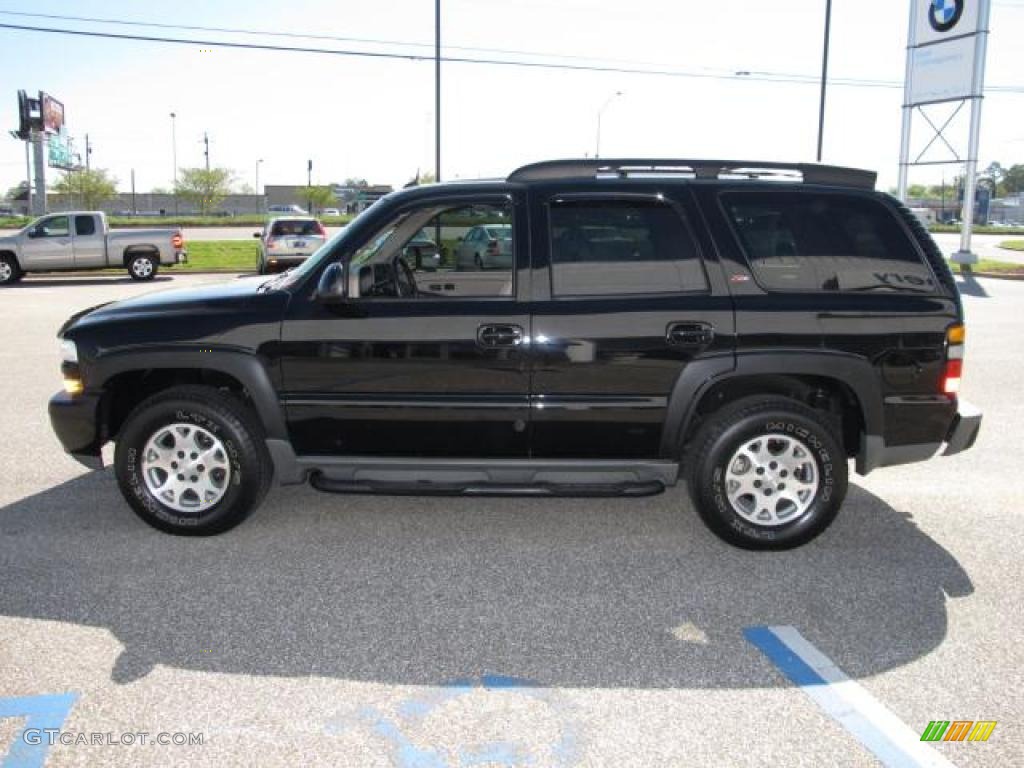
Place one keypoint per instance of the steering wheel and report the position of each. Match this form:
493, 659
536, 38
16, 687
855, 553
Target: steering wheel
405, 281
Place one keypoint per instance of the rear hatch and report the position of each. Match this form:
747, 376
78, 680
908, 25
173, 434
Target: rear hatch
295, 238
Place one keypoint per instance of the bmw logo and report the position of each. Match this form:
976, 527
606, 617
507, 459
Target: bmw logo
944, 14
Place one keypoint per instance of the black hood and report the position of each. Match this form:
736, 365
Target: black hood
228, 296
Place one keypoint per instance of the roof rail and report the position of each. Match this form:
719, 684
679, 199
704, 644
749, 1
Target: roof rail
808, 173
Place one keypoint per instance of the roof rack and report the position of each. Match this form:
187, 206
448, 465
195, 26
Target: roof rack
807, 173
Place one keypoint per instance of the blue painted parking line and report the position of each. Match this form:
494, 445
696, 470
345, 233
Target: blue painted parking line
40, 713
861, 714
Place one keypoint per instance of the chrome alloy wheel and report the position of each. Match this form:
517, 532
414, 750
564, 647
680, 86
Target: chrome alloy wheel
772, 479
6, 272
142, 267
186, 467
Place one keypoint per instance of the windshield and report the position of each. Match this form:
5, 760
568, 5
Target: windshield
298, 227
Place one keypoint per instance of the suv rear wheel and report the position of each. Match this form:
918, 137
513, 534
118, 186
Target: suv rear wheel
192, 461
767, 473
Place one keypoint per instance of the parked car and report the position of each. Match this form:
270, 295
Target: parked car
81, 240
486, 246
747, 328
422, 252
288, 241
298, 210
331, 212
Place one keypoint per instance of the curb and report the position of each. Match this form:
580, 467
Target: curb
996, 275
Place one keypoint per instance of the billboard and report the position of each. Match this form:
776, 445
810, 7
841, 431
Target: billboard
53, 113
59, 152
943, 72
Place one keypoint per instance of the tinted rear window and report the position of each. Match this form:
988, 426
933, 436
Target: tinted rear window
85, 225
304, 228
802, 241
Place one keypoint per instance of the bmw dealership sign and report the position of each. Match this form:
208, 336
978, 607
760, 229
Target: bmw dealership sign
943, 50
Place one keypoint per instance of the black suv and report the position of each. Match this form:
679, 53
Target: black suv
747, 326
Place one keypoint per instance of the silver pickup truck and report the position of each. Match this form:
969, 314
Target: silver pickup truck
78, 240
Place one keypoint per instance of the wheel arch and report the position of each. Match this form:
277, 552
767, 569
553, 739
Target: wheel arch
144, 249
128, 378
844, 384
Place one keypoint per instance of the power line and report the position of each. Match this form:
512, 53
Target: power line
750, 76
310, 36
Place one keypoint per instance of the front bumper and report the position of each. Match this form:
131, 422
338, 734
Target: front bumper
75, 420
964, 429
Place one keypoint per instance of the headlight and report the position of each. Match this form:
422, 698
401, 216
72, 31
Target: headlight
68, 351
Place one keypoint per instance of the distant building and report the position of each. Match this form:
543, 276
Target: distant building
350, 199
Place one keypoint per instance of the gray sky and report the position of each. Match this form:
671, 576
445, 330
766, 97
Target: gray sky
374, 118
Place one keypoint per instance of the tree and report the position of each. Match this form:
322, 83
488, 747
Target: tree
205, 189
91, 187
246, 189
1013, 181
317, 197
160, 191
351, 181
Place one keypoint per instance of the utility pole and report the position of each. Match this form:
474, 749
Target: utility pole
174, 158
260, 200
824, 78
135, 210
437, 90
88, 151
206, 149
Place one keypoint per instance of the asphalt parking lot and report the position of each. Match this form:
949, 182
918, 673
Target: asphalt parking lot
379, 631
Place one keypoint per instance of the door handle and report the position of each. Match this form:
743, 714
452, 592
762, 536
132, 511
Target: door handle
694, 335
499, 335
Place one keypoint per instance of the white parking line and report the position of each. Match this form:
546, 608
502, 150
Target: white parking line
860, 713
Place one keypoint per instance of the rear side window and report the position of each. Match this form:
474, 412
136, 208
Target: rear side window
800, 241
85, 225
621, 247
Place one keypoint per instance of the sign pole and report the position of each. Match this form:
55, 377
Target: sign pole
964, 255
39, 149
908, 109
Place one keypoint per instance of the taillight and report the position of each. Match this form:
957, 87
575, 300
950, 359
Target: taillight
271, 242
321, 230
177, 240
492, 248
956, 335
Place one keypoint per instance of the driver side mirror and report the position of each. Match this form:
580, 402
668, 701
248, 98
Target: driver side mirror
332, 288
34, 232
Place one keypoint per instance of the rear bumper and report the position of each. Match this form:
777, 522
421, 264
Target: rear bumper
960, 436
178, 257
75, 422
964, 429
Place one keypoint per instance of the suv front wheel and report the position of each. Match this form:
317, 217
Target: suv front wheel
192, 461
767, 473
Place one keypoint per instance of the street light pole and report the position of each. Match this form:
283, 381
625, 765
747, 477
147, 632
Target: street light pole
824, 77
600, 112
174, 158
260, 200
437, 90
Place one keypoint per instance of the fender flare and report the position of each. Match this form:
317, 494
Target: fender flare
245, 366
698, 377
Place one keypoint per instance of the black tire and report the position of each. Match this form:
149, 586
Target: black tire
10, 270
223, 416
142, 266
478, 262
716, 442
